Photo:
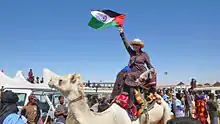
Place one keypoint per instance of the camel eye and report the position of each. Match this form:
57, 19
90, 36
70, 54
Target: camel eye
60, 81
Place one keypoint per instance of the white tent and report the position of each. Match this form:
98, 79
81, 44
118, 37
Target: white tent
9, 82
47, 74
21, 79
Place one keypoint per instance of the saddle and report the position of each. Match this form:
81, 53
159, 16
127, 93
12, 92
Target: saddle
140, 106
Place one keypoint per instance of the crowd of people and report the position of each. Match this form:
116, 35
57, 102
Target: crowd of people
201, 106
30, 113
198, 105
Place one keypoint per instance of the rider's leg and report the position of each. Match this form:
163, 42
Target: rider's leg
130, 91
131, 97
118, 84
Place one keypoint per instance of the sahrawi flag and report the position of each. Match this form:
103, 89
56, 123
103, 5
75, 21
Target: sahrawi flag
106, 18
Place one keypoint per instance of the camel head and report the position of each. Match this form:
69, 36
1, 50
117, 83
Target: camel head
69, 85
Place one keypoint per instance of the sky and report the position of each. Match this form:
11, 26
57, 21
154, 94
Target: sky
182, 37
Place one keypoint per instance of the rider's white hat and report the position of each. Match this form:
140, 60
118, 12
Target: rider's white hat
137, 42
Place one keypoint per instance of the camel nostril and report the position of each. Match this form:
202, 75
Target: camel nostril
60, 81
50, 84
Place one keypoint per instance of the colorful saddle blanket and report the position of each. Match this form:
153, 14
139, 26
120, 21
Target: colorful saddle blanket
123, 100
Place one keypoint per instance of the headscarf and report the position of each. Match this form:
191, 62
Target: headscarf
201, 97
32, 97
8, 104
178, 96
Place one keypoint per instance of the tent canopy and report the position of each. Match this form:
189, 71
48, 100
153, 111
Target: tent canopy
47, 74
9, 82
19, 80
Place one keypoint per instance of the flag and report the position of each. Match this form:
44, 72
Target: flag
106, 18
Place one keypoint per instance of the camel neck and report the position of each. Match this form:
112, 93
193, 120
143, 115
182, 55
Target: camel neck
79, 103
79, 109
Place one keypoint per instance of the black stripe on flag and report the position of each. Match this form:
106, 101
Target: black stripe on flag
110, 13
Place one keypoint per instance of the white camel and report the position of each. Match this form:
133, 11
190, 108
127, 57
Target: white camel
79, 113
72, 87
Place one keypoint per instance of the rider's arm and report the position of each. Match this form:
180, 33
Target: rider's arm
127, 46
147, 60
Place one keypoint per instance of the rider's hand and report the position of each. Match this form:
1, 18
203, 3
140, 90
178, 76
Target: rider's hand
152, 70
121, 30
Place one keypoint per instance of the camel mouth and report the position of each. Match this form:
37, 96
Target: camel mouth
50, 84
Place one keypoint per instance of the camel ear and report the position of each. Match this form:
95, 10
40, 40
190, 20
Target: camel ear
54, 78
74, 77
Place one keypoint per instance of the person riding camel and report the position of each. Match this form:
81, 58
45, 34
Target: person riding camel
126, 78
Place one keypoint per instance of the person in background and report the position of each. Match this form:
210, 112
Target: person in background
195, 97
102, 105
165, 94
30, 76
31, 111
218, 103
167, 100
30, 73
9, 110
201, 112
42, 80
32, 80
61, 111
161, 93
37, 80
46, 120
212, 108
174, 108
179, 106
170, 94
189, 101
186, 103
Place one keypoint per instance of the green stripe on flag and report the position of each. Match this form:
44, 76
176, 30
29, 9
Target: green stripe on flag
94, 23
